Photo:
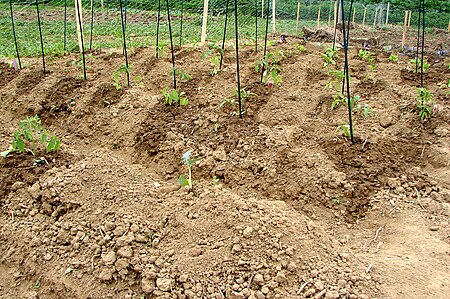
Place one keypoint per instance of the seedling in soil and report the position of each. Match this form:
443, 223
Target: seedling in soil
215, 62
367, 111
181, 73
344, 129
329, 56
393, 58
160, 50
215, 181
369, 57
172, 97
417, 63
425, 103
233, 102
341, 99
337, 83
301, 48
189, 162
30, 137
119, 75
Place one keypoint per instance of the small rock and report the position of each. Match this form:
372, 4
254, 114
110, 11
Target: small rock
260, 295
35, 190
236, 248
258, 279
17, 185
164, 284
183, 278
310, 292
314, 273
292, 267
109, 226
134, 228
121, 264
386, 120
147, 285
125, 251
220, 154
247, 231
434, 228
319, 285
119, 231
280, 278
106, 274
332, 295
109, 258
265, 290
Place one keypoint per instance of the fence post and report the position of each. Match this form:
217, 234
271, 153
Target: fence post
298, 16
273, 16
375, 18
387, 12
448, 25
318, 17
405, 27
262, 8
354, 14
409, 19
380, 17
364, 16
79, 22
335, 13
205, 20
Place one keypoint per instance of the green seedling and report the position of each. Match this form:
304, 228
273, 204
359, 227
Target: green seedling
160, 50
245, 95
215, 181
172, 97
181, 73
119, 75
367, 111
189, 162
301, 48
344, 129
417, 64
369, 57
341, 99
215, 60
30, 136
329, 56
425, 101
393, 58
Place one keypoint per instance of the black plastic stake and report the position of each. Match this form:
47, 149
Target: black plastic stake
335, 24
65, 27
265, 40
92, 24
222, 52
347, 38
125, 2
237, 57
256, 25
157, 29
82, 39
418, 36
423, 44
14, 33
181, 22
40, 35
347, 73
124, 43
171, 46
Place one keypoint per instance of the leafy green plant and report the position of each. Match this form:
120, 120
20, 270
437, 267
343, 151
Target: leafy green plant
172, 97
181, 73
215, 180
341, 99
160, 50
393, 58
215, 60
187, 160
329, 56
30, 136
344, 128
119, 75
425, 101
369, 57
272, 70
301, 48
417, 64
367, 111
245, 95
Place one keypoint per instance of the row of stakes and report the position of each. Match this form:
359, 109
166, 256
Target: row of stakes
345, 32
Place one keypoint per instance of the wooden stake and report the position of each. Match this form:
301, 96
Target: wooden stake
387, 13
262, 8
318, 18
364, 16
448, 25
329, 20
409, 18
298, 16
380, 17
273, 16
78, 22
375, 18
405, 27
205, 20
335, 13
354, 14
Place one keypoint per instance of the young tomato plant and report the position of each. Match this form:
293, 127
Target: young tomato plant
393, 58
29, 136
215, 60
417, 64
181, 73
425, 101
119, 74
344, 128
329, 56
187, 160
172, 97
245, 95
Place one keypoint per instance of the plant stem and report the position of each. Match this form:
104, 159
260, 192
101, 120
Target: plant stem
190, 178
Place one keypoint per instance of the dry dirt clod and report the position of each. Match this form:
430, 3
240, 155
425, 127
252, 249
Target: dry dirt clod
106, 274
164, 284
126, 252
148, 285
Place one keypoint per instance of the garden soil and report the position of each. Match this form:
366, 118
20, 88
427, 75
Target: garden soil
283, 204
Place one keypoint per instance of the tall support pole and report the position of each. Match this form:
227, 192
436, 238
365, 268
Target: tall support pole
65, 27
40, 35
387, 13
204, 22
298, 17
354, 14
409, 18
157, 28
274, 12
181, 23
265, 40
92, 24
14, 33
222, 52
318, 17
171, 46
78, 11
79, 21
364, 16
237, 57
405, 28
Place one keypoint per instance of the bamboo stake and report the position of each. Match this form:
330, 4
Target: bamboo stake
380, 17
335, 13
405, 27
375, 18
387, 13
409, 19
262, 8
273, 16
354, 14
79, 22
298, 16
364, 16
329, 20
318, 18
448, 25
205, 20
